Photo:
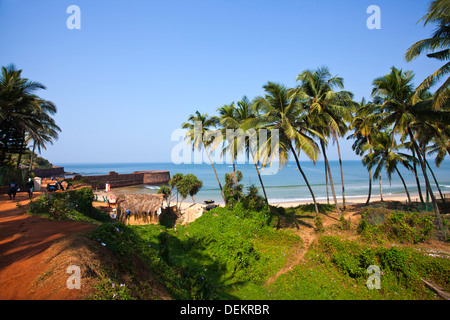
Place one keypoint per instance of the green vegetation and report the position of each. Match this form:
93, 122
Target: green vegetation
211, 258
24, 117
337, 269
378, 225
232, 252
68, 205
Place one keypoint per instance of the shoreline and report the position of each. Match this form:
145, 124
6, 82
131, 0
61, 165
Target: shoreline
349, 200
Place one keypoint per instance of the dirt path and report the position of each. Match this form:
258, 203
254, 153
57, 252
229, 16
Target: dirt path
24, 244
308, 235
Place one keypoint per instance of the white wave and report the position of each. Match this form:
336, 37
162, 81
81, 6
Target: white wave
152, 187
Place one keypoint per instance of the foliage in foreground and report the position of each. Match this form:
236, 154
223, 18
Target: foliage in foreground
405, 227
69, 205
337, 269
230, 253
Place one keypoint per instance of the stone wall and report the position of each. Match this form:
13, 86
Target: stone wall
123, 180
49, 172
155, 177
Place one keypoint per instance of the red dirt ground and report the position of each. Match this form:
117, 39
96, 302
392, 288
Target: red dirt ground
24, 247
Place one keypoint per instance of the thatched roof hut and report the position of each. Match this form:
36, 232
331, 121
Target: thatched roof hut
138, 209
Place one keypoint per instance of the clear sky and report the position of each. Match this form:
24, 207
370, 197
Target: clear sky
137, 69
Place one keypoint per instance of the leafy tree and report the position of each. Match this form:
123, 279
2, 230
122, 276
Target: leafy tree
328, 110
282, 110
200, 136
395, 92
386, 156
364, 125
233, 189
23, 113
436, 47
189, 185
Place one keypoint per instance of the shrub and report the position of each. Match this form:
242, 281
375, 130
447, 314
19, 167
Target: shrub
318, 223
404, 227
68, 205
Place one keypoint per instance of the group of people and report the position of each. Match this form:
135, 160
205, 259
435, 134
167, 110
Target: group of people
14, 188
57, 186
29, 187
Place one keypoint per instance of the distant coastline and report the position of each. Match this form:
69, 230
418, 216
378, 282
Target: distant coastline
286, 186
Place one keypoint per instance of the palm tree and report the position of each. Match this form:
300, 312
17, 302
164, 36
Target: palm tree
229, 123
250, 122
396, 92
385, 155
48, 131
432, 127
21, 111
199, 135
282, 111
329, 112
437, 47
364, 125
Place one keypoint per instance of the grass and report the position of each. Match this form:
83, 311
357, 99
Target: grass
231, 253
335, 268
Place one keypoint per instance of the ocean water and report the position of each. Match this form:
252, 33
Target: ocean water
286, 185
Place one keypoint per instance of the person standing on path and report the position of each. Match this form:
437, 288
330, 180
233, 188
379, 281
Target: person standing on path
13, 186
30, 187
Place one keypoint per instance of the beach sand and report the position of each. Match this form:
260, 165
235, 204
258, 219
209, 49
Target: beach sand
361, 200
348, 201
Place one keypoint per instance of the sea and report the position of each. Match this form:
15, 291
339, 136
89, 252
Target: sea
285, 184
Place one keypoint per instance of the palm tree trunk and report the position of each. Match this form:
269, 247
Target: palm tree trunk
260, 179
262, 186
19, 156
404, 185
381, 189
342, 170
427, 183
331, 178
370, 186
304, 178
370, 179
326, 181
435, 181
417, 177
31, 157
215, 173
235, 178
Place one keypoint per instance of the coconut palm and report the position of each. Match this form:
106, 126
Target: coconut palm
386, 156
436, 47
432, 127
229, 123
282, 110
48, 131
22, 112
396, 92
329, 112
250, 123
199, 135
364, 125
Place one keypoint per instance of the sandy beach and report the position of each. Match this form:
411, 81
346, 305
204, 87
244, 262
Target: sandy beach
361, 199
287, 204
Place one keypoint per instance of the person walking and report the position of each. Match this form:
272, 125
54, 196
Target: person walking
30, 187
13, 186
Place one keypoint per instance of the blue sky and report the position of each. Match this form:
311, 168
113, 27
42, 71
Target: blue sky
137, 69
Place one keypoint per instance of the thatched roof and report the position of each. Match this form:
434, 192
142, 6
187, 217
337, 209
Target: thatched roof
139, 206
139, 203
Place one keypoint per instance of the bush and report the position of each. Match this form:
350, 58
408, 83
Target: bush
68, 205
404, 227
